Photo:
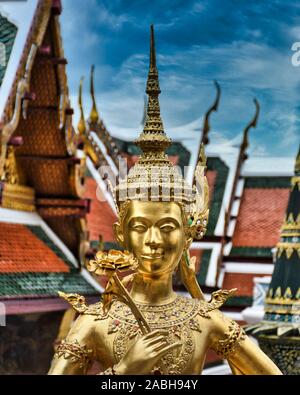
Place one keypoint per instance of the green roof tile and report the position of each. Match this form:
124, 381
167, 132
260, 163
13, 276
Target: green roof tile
43, 284
219, 166
39, 232
108, 245
251, 252
205, 258
267, 182
8, 32
237, 301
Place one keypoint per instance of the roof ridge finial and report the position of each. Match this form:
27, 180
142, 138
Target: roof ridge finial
251, 124
213, 107
81, 127
153, 137
94, 116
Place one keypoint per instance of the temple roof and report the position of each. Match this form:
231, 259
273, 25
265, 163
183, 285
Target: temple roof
101, 216
260, 215
22, 250
41, 252
35, 262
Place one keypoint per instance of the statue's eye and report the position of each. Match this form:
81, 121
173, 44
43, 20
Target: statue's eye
139, 228
167, 228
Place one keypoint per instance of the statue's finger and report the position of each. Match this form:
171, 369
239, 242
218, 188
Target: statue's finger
156, 340
159, 346
155, 333
168, 348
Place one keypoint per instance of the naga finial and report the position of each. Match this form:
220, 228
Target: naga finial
94, 116
251, 124
81, 127
214, 107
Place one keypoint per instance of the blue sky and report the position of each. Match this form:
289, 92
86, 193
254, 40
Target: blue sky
245, 46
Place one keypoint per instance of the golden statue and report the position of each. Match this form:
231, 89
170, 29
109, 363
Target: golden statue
151, 329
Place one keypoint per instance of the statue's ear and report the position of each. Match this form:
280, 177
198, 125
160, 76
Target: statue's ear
118, 233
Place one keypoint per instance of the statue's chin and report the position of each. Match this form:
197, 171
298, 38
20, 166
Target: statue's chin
154, 269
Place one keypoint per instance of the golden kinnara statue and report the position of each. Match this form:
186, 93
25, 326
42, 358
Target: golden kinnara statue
152, 330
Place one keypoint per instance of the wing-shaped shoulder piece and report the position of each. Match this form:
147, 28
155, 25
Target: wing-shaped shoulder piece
218, 298
79, 304
77, 301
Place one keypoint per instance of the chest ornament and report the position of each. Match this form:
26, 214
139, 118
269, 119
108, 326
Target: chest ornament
179, 318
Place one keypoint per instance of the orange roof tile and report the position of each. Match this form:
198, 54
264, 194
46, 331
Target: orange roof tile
174, 159
211, 356
22, 251
260, 217
101, 217
242, 281
131, 159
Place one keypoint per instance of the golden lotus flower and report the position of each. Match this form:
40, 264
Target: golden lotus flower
110, 264
107, 263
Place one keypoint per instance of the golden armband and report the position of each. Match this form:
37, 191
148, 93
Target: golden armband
73, 351
225, 347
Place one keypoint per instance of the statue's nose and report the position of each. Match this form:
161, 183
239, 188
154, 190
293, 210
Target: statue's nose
153, 237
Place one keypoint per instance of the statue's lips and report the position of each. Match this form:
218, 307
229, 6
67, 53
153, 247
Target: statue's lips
152, 256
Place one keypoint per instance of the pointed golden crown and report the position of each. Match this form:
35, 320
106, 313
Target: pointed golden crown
154, 177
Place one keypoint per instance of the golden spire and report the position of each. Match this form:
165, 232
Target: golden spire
94, 116
153, 177
145, 111
153, 137
81, 124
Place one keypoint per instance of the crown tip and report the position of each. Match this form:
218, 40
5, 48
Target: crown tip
152, 48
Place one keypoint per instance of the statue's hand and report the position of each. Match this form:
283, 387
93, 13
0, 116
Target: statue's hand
145, 353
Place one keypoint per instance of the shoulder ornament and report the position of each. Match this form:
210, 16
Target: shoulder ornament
79, 304
218, 298
77, 301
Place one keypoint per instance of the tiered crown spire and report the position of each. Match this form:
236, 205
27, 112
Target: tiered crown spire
153, 137
153, 177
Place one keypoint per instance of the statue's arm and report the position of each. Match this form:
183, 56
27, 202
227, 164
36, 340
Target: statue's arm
75, 354
230, 342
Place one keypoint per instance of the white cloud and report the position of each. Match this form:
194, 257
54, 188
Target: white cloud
243, 69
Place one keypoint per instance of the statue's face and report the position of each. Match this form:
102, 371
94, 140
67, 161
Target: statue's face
154, 232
